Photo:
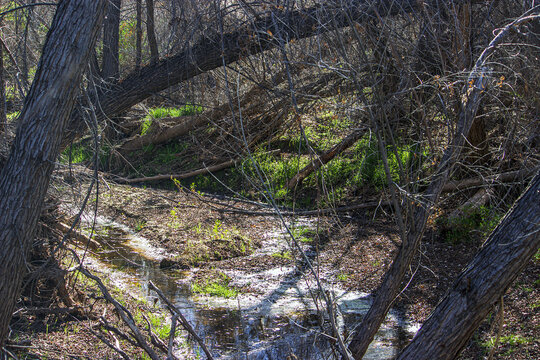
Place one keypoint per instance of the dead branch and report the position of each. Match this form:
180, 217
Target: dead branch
124, 313
481, 197
183, 320
521, 175
187, 175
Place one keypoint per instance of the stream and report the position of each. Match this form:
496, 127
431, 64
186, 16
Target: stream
280, 324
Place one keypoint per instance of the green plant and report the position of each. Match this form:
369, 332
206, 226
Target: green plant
139, 225
342, 277
217, 286
507, 340
302, 233
282, 255
475, 223
78, 152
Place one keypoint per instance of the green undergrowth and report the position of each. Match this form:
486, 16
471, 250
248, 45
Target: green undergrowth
474, 224
360, 166
217, 284
164, 112
510, 343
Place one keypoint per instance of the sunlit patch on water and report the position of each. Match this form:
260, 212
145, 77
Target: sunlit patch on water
279, 322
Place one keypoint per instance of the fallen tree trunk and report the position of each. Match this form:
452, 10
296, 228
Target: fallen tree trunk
517, 175
223, 49
508, 249
249, 109
317, 163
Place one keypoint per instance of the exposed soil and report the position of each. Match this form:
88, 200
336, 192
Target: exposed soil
356, 249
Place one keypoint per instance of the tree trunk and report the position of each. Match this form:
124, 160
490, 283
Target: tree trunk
110, 70
507, 250
151, 32
391, 284
138, 39
3, 109
25, 177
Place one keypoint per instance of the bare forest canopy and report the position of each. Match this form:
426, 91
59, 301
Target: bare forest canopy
421, 107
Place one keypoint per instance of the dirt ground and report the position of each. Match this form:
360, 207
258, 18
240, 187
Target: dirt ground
210, 233
357, 248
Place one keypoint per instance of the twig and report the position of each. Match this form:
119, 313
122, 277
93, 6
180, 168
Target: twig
111, 345
124, 314
183, 320
170, 355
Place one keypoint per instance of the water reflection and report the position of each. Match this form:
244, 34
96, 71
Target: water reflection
248, 332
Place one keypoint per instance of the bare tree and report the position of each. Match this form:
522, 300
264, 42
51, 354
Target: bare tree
25, 177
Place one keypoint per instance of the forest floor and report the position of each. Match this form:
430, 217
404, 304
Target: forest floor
356, 248
214, 234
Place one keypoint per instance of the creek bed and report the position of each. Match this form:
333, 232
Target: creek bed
278, 323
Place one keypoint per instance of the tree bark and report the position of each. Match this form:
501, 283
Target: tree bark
110, 70
25, 177
3, 109
151, 32
507, 250
391, 284
138, 34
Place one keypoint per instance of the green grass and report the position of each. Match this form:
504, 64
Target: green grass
218, 286
473, 225
512, 341
164, 112
78, 152
282, 255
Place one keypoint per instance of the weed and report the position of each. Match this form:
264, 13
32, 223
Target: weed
219, 286
140, 225
302, 233
342, 277
283, 255
78, 154
507, 340
474, 223
175, 222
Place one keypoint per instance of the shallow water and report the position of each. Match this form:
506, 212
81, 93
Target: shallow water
280, 324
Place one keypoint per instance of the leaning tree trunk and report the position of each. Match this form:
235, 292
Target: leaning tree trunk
223, 49
3, 110
25, 177
508, 249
